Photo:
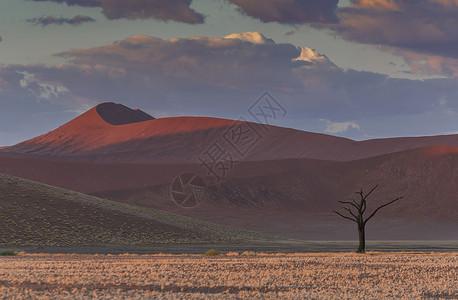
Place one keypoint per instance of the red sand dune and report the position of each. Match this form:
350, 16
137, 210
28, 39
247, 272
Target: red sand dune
90, 134
141, 139
298, 202
287, 184
97, 178
286, 197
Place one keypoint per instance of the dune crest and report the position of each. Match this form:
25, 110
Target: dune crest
113, 132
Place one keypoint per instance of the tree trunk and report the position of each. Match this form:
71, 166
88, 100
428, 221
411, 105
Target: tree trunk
362, 239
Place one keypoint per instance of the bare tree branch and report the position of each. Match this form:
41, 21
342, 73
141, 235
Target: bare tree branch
358, 216
360, 193
351, 213
356, 203
353, 204
345, 217
363, 198
375, 211
370, 192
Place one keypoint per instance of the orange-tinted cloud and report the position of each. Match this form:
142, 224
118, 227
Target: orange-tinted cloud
428, 64
425, 27
377, 4
237, 61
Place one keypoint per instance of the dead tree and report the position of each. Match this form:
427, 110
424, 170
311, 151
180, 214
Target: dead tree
357, 216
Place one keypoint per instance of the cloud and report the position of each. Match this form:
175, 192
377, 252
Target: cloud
51, 20
223, 76
449, 3
424, 32
179, 74
238, 61
252, 37
174, 10
391, 5
339, 127
428, 64
289, 11
426, 27
150, 67
30, 108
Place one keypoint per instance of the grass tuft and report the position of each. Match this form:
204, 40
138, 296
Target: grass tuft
212, 252
9, 253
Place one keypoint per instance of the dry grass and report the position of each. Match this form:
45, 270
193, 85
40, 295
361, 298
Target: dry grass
264, 276
212, 252
9, 253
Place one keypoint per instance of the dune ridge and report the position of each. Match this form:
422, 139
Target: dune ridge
139, 138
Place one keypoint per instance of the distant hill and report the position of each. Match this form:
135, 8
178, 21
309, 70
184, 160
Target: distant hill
34, 214
114, 133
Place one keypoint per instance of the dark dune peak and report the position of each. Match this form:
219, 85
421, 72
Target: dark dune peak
118, 114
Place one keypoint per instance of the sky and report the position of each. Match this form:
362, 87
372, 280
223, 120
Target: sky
360, 69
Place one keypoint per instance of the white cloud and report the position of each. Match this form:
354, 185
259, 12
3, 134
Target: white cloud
47, 91
339, 127
252, 37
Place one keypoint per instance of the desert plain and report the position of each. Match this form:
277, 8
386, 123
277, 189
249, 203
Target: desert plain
231, 275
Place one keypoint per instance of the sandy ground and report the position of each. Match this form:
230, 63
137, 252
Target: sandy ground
231, 276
